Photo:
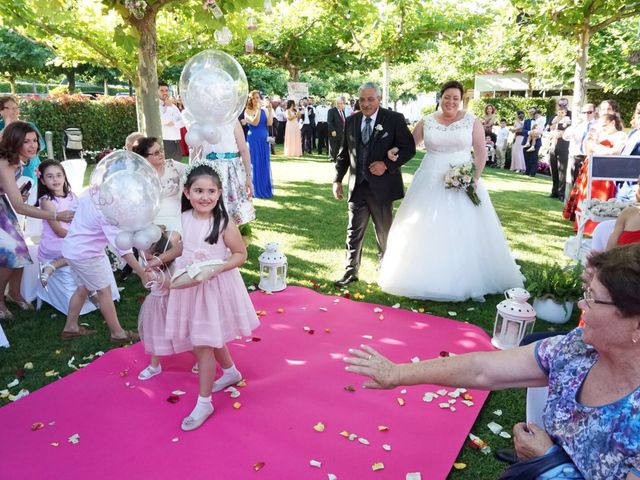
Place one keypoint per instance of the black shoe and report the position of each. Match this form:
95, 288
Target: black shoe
553, 195
346, 280
125, 273
507, 455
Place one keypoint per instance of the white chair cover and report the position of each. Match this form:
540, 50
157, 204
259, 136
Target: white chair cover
75, 169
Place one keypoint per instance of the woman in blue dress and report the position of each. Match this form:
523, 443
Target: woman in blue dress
259, 120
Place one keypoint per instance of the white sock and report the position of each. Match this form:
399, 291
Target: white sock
229, 376
203, 407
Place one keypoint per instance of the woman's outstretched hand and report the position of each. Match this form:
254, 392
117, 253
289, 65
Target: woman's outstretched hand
393, 154
369, 363
65, 216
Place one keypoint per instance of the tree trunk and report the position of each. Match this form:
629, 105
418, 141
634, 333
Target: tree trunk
385, 82
105, 85
580, 73
295, 74
147, 90
139, 115
12, 82
71, 80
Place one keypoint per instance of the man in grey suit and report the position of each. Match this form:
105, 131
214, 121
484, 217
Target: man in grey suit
374, 180
336, 120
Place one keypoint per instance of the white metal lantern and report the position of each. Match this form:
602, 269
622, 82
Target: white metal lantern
273, 269
514, 320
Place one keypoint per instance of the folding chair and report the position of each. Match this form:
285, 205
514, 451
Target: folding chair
74, 163
614, 168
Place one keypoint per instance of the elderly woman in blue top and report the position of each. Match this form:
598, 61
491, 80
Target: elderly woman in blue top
593, 373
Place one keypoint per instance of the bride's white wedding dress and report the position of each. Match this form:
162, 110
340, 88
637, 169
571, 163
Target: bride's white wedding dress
441, 246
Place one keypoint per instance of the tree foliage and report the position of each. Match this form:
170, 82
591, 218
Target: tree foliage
21, 57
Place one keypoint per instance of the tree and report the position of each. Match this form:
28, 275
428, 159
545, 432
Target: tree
20, 57
579, 21
313, 37
109, 34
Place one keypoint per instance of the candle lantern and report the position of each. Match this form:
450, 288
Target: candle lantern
515, 319
248, 44
273, 269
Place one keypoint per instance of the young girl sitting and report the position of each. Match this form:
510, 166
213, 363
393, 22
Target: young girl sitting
153, 313
534, 134
54, 195
203, 318
83, 249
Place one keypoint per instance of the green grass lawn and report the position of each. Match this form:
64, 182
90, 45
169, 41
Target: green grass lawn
310, 227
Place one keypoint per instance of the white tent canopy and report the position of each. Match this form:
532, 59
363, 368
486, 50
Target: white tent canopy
501, 82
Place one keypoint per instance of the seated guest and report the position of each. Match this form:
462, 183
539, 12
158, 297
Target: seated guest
132, 139
593, 374
627, 227
58, 285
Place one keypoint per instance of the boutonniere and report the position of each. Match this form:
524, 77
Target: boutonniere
379, 127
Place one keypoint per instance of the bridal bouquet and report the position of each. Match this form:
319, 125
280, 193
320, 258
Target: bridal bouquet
460, 177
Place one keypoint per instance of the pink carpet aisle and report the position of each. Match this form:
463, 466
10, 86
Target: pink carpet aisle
295, 379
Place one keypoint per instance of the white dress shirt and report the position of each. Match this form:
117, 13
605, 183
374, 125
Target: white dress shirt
170, 113
279, 114
322, 112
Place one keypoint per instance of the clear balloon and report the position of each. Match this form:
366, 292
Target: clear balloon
194, 136
142, 240
188, 118
126, 190
154, 232
210, 133
213, 87
124, 240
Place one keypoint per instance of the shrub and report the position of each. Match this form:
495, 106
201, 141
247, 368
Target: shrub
562, 284
105, 122
506, 107
626, 100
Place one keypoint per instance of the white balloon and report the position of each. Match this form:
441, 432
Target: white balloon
210, 133
188, 118
154, 232
124, 240
194, 137
125, 188
142, 239
214, 87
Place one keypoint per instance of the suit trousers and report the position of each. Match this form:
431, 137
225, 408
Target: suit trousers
531, 161
334, 146
307, 138
280, 132
558, 160
322, 131
362, 206
172, 149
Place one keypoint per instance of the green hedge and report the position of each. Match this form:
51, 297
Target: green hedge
506, 107
105, 123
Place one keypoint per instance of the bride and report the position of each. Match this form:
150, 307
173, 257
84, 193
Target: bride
441, 246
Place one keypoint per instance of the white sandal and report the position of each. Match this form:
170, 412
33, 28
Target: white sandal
150, 372
44, 275
191, 423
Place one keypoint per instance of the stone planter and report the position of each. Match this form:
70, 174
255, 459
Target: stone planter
549, 310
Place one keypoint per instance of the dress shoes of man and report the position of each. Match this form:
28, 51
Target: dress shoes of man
507, 455
346, 280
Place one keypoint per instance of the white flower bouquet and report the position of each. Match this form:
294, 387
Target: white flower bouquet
460, 177
606, 208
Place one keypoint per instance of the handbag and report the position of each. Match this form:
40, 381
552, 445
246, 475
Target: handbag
194, 274
531, 469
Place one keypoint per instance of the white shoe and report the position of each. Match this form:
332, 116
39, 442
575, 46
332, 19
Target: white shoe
223, 383
150, 372
191, 422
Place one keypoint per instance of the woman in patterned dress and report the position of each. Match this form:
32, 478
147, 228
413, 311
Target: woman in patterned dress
19, 143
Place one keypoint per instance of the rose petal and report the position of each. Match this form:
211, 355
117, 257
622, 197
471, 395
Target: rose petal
237, 405
315, 463
377, 466
173, 399
258, 466
37, 426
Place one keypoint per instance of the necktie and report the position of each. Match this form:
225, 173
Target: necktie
366, 131
341, 115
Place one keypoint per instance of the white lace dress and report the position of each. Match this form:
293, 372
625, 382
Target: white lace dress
441, 246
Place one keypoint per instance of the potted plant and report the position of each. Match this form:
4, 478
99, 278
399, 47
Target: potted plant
247, 233
554, 289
